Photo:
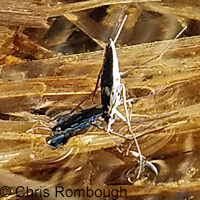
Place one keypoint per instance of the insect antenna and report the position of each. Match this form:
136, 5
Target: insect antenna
114, 41
99, 75
78, 106
123, 74
97, 84
36, 128
155, 57
120, 28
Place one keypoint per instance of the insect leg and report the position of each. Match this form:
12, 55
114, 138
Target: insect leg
120, 116
109, 133
151, 166
112, 132
145, 163
130, 129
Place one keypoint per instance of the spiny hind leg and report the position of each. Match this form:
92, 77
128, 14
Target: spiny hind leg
111, 133
145, 163
130, 129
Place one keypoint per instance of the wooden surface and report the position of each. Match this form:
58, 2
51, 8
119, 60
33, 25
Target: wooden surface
50, 63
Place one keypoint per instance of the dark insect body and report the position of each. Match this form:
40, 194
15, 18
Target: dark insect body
110, 82
111, 88
74, 125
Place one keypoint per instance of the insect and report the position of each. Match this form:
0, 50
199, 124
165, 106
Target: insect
111, 88
111, 85
78, 123
66, 128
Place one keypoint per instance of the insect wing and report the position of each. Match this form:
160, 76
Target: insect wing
78, 122
110, 79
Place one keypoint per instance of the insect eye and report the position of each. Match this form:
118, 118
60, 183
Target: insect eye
58, 129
